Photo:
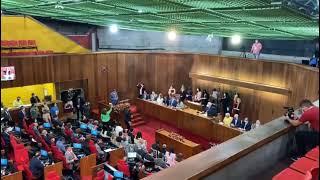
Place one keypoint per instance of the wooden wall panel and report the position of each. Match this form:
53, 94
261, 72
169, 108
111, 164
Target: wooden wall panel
159, 70
302, 81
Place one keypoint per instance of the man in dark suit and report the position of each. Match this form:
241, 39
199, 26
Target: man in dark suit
34, 99
36, 166
211, 109
127, 117
236, 123
21, 116
246, 125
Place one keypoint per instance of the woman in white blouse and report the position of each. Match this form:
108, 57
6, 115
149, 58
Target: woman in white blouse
160, 99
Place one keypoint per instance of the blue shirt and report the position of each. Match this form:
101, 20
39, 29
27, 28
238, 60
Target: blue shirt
114, 95
54, 111
173, 102
60, 146
313, 61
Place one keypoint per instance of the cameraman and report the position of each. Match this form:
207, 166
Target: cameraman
310, 138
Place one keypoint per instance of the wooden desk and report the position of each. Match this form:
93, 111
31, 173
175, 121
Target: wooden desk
116, 155
187, 148
188, 119
85, 165
14, 176
57, 167
193, 105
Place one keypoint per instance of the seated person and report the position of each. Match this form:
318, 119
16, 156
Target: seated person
114, 97
119, 140
211, 110
313, 61
159, 161
61, 144
145, 95
160, 99
189, 94
166, 101
18, 102
149, 163
46, 136
171, 91
131, 146
36, 166
180, 104
246, 125
171, 158
7, 167
256, 124
153, 96
173, 101
71, 158
227, 120
179, 157
198, 95
236, 123
35, 129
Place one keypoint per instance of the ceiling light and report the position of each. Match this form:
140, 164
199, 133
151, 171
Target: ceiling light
139, 11
172, 35
235, 39
113, 28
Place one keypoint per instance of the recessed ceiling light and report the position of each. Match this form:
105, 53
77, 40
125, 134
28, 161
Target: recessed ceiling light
172, 35
139, 11
113, 28
235, 39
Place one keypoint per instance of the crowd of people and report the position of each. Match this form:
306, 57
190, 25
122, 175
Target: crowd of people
48, 139
213, 104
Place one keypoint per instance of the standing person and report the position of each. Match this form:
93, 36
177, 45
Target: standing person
189, 94
18, 102
243, 52
87, 110
105, 115
34, 99
68, 108
79, 106
46, 113
171, 91
141, 89
34, 112
256, 48
127, 119
225, 101
236, 104
214, 95
36, 166
204, 99
198, 95
21, 116
310, 138
114, 98
183, 93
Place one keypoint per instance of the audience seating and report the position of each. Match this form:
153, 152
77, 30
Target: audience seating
123, 167
304, 164
305, 168
52, 175
313, 154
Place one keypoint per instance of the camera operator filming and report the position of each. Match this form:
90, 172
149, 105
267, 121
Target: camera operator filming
306, 138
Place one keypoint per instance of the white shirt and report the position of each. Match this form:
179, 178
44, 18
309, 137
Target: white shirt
160, 100
118, 129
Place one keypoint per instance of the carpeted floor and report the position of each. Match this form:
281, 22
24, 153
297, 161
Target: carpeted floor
148, 132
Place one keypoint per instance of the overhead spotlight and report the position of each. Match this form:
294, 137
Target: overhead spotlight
139, 11
172, 35
113, 28
209, 37
235, 39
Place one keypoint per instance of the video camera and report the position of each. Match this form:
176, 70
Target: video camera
290, 112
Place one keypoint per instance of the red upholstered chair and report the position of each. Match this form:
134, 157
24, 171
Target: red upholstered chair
313, 174
110, 177
123, 167
52, 175
58, 156
92, 147
313, 154
289, 174
304, 164
21, 156
100, 175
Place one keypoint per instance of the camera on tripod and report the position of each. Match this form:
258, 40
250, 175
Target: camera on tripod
290, 112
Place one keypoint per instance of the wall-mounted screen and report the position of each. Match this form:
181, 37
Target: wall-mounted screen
8, 73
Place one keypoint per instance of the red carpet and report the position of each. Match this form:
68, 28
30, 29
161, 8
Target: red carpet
148, 132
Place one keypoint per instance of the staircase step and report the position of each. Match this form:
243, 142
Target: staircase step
135, 124
135, 115
136, 119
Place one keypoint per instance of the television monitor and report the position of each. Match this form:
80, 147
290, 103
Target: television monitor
77, 145
46, 125
8, 73
83, 126
44, 153
17, 129
118, 174
94, 132
4, 162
